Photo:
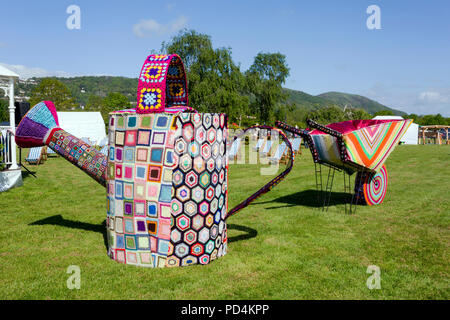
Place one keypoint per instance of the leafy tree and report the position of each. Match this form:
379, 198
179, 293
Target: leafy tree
357, 114
215, 82
412, 116
327, 115
384, 113
94, 103
113, 101
55, 91
264, 79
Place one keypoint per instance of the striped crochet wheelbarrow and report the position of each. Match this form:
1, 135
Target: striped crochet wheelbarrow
360, 146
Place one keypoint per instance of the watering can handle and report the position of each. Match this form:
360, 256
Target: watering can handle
272, 183
162, 84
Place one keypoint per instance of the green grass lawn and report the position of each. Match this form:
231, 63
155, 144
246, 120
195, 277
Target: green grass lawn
281, 247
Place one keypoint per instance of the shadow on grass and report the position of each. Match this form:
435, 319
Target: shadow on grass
309, 198
249, 232
26, 173
58, 220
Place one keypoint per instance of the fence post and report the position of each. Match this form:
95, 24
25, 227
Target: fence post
12, 123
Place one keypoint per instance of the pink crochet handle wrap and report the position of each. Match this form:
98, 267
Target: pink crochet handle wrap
162, 84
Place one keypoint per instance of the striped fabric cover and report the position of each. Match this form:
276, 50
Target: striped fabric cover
234, 148
327, 149
34, 154
370, 146
104, 150
296, 143
265, 150
280, 151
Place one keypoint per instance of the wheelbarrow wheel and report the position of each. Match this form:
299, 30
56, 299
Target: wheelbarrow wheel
371, 188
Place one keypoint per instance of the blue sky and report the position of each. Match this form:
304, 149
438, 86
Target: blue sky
404, 65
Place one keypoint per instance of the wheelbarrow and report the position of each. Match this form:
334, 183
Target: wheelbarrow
354, 146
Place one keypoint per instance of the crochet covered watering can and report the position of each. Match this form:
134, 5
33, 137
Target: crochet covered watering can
166, 172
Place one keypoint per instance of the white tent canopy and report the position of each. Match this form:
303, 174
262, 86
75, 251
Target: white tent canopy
4, 72
83, 125
411, 135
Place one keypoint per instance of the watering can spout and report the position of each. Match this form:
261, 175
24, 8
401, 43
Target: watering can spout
40, 127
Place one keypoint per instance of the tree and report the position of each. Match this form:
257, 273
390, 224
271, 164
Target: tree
53, 90
384, 113
357, 114
113, 101
327, 115
264, 79
94, 103
215, 82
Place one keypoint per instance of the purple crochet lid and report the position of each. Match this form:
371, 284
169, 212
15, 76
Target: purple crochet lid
35, 126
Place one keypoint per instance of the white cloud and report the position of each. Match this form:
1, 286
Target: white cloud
149, 28
433, 96
25, 72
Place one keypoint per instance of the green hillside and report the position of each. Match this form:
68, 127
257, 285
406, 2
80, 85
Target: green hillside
304, 100
357, 101
82, 87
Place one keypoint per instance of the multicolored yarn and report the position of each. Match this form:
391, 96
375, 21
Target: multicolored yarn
162, 84
371, 188
81, 154
167, 188
354, 150
370, 146
166, 171
272, 183
363, 150
40, 127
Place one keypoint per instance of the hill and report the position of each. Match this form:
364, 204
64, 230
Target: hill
82, 87
304, 100
357, 101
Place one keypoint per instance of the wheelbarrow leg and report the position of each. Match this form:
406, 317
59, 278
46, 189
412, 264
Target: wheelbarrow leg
328, 188
319, 188
346, 188
356, 192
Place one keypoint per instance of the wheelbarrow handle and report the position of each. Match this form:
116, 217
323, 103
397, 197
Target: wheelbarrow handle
301, 132
322, 128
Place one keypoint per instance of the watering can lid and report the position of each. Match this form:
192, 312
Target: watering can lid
162, 84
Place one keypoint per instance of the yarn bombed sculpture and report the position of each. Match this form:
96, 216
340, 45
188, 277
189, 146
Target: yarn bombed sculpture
360, 146
166, 172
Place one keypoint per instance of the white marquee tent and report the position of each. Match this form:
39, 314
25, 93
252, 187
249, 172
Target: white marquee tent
411, 135
83, 125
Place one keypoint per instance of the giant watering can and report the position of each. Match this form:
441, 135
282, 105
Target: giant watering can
166, 172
